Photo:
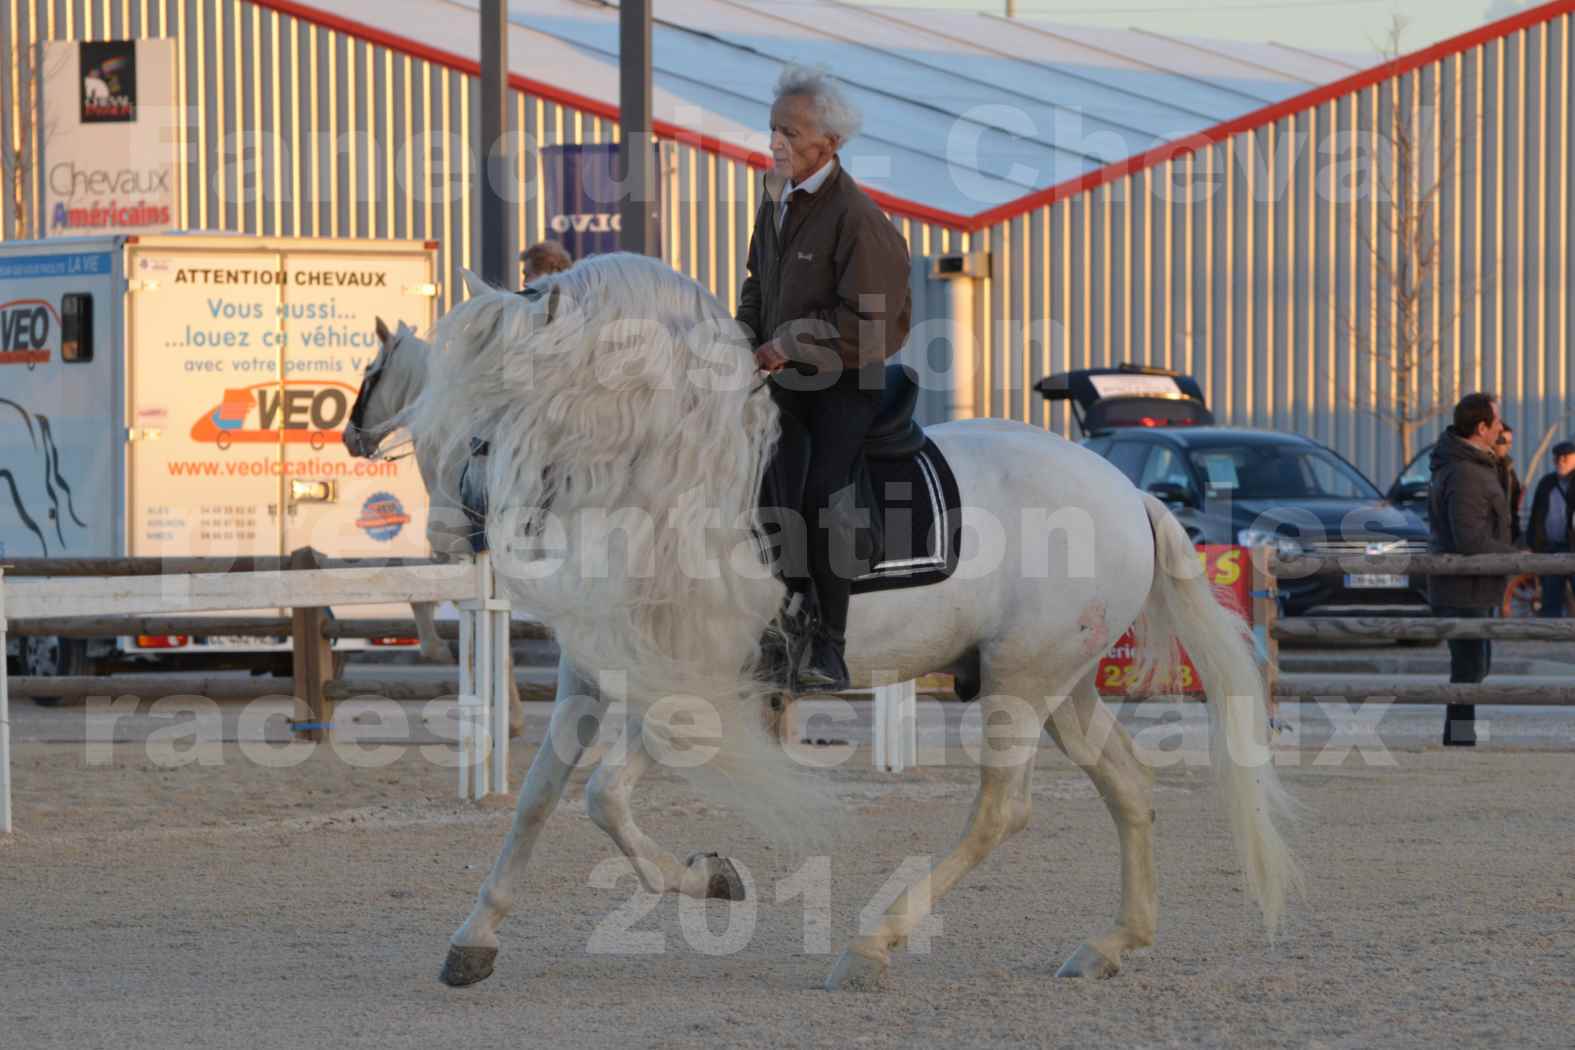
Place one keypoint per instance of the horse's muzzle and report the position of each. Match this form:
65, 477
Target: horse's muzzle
358, 442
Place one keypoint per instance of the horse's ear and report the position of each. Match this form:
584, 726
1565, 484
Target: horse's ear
474, 285
405, 329
382, 331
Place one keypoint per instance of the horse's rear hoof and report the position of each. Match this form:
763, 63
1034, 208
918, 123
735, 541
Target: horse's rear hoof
724, 883
467, 966
856, 973
1089, 962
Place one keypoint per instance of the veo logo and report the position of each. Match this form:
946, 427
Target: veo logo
26, 326
302, 411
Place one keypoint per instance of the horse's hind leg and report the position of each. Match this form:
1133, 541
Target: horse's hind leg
1092, 737
999, 810
607, 803
575, 718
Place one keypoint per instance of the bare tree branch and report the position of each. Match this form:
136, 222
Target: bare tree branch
1405, 256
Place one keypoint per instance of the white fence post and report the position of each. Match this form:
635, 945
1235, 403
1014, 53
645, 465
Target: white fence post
467, 697
5, 723
481, 712
896, 744
498, 616
484, 688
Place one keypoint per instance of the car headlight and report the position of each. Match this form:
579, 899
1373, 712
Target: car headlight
1285, 546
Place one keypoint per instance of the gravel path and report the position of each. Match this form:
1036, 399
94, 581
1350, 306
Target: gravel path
226, 903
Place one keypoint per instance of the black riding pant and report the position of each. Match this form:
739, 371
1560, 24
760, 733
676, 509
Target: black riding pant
832, 423
1470, 660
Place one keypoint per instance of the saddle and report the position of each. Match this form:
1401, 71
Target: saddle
905, 497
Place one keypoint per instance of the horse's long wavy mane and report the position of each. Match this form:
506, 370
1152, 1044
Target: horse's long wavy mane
628, 436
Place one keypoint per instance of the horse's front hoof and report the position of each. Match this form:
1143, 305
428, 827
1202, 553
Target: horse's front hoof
725, 883
467, 966
856, 973
1089, 962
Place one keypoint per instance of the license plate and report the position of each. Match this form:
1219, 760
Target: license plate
243, 641
1376, 580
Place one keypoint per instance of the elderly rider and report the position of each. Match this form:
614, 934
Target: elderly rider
825, 302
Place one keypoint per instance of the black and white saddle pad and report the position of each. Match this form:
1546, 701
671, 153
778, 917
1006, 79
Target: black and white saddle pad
920, 509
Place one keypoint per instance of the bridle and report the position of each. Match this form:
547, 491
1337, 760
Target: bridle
369, 383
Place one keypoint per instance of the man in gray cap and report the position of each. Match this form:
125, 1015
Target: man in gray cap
1548, 527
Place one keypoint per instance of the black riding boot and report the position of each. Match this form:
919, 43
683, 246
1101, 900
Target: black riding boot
825, 670
833, 562
785, 643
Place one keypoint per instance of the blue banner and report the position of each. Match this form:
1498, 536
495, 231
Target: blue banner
56, 265
583, 196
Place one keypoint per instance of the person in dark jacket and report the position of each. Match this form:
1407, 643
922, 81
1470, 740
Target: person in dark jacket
1549, 526
825, 303
1469, 515
543, 258
1504, 449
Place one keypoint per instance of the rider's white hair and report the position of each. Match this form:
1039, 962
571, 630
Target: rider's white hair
836, 115
628, 437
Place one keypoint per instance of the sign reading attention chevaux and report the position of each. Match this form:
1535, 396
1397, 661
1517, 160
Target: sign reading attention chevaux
109, 139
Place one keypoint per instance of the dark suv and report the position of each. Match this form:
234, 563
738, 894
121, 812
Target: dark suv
1251, 487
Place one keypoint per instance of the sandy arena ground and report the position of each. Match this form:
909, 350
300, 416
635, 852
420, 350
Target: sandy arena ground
234, 904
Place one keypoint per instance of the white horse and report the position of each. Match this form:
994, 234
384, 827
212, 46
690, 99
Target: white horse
622, 388
388, 387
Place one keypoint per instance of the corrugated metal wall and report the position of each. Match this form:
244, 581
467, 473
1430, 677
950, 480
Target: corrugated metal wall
1246, 263
1258, 275
297, 129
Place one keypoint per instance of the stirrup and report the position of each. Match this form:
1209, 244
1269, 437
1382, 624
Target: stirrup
824, 667
785, 644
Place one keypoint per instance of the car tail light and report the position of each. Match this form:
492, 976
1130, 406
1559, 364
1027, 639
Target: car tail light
396, 641
162, 641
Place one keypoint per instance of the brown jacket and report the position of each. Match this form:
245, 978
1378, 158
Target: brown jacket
833, 286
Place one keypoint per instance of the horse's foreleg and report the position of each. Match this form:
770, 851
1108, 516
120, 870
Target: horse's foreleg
999, 810
1093, 738
607, 803
576, 716
433, 649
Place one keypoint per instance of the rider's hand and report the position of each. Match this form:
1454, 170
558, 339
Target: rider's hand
769, 357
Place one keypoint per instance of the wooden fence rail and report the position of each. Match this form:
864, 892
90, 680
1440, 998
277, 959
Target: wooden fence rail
1271, 567
1423, 565
55, 597
1309, 688
1418, 629
246, 687
67, 567
246, 627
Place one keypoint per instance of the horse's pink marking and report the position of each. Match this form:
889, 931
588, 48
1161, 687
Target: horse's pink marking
1091, 625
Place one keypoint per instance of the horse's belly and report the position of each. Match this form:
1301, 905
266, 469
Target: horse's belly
1055, 562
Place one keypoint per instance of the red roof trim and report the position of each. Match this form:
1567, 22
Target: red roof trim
1271, 113
1038, 199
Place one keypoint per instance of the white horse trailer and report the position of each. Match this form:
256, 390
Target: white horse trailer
178, 395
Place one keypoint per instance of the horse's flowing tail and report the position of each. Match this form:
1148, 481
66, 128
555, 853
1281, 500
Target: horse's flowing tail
1182, 608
